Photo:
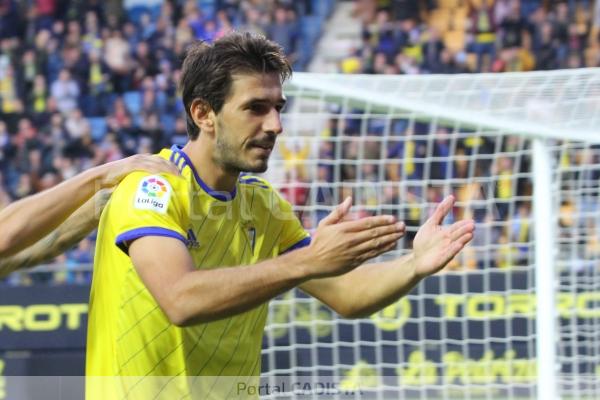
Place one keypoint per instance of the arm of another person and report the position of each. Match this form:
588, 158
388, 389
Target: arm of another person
73, 230
375, 286
26, 221
188, 295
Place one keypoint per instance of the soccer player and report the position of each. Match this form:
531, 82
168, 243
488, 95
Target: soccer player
185, 266
26, 221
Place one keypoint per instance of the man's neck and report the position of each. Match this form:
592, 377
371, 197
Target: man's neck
213, 175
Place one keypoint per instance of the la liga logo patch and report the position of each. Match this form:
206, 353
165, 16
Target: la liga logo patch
154, 187
154, 193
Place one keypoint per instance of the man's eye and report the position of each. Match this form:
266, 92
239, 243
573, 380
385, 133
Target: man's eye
258, 108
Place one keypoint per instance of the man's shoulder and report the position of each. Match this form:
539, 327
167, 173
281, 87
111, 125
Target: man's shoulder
152, 192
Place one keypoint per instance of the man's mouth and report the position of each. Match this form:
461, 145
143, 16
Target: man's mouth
264, 146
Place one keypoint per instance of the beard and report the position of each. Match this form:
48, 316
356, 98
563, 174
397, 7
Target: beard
231, 157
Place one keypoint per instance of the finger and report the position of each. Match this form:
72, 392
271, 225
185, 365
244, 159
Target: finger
378, 251
464, 239
159, 169
441, 210
458, 245
460, 228
378, 232
153, 164
378, 242
368, 223
388, 247
160, 165
338, 214
459, 224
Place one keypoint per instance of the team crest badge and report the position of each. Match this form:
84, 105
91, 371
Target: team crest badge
154, 193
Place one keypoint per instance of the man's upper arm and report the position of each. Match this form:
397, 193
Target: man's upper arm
150, 214
160, 263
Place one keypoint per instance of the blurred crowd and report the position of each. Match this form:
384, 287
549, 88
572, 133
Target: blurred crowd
405, 166
86, 82
468, 36
458, 36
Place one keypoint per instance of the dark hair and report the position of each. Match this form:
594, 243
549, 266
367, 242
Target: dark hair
208, 69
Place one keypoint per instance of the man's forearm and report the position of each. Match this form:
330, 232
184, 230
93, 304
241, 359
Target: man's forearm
27, 221
367, 289
188, 295
207, 295
70, 232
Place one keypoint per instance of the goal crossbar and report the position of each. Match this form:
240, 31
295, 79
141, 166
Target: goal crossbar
536, 106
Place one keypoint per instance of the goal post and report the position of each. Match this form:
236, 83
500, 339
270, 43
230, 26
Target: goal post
514, 314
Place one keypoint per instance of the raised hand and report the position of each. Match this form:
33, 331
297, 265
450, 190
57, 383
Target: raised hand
339, 246
435, 244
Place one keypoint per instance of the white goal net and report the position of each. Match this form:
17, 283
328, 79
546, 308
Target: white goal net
520, 306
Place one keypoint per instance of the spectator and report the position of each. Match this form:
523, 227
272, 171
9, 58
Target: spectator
561, 31
253, 22
513, 27
37, 99
152, 130
10, 102
55, 136
284, 31
546, 54
65, 92
483, 28
432, 48
117, 57
76, 125
24, 187
223, 24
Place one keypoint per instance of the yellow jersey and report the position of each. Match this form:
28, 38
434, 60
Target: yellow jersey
129, 337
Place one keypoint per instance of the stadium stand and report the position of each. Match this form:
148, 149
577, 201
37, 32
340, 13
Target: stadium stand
83, 83
88, 82
449, 36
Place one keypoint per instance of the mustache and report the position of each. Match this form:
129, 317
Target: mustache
264, 142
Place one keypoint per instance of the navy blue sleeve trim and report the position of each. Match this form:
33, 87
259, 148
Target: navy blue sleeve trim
123, 240
303, 243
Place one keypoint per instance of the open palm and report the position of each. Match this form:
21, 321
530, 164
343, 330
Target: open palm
436, 244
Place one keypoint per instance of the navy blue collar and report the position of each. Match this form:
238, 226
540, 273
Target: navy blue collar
221, 196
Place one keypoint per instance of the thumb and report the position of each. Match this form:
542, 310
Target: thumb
339, 213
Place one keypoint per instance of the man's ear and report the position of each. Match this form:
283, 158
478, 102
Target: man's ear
203, 116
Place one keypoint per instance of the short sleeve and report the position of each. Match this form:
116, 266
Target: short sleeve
150, 205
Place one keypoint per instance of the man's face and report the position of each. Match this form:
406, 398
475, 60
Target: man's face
249, 122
